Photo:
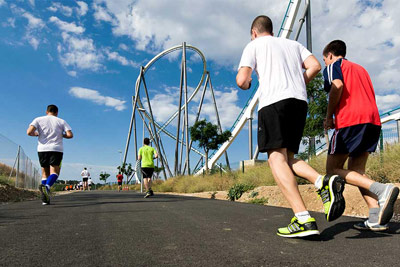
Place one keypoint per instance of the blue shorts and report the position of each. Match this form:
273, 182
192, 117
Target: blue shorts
355, 140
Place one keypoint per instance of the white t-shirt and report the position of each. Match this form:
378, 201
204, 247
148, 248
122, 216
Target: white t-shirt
85, 174
50, 129
278, 64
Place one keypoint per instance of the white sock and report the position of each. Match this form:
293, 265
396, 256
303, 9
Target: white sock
303, 216
318, 182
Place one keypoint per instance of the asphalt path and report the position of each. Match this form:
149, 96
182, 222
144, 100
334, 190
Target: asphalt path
109, 228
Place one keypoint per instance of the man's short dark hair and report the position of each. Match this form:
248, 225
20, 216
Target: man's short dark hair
336, 47
262, 24
146, 141
52, 109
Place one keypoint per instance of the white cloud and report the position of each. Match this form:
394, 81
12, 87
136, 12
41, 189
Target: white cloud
65, 10
49, 57
83, 8
10, 23
32, 2
79, 53
155, 25
165, 104
2, 2
368, 28
227, 104
101, 14
72, 73
96, 97
33, 22
386, 102
67, 27
123, 47
33, 42
122, 60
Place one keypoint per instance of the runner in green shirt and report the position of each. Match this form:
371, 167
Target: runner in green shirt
147, 154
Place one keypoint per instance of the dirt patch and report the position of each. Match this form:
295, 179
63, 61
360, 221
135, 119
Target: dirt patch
12, 194
355, 205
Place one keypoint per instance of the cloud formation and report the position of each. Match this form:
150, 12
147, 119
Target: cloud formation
80, 53
65, 10
368, 27
83, 8
96, 97
67, 27
387, 102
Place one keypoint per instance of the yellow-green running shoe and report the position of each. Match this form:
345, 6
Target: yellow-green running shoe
297, 229
331, 194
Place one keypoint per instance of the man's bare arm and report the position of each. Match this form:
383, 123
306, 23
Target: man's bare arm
334, 99
32, 131
243, 78
312, 67
68, 135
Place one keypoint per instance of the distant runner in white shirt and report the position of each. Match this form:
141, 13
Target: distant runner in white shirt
50, 131
85, 176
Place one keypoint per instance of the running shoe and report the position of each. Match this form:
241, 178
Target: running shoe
151, 192
148, 194
386, 204
45, 192
367, 226
331, 194
297, 229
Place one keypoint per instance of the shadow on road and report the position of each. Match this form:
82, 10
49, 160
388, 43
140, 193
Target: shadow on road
336, 229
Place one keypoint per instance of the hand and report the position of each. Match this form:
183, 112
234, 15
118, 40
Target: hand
329, 123
250, 83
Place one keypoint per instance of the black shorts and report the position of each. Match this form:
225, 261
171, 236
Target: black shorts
281, 125
85, 179
147, 172
354, 140
50, 158
120, 183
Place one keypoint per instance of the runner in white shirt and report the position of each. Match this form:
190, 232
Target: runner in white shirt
50, 131
282, 113
85, 176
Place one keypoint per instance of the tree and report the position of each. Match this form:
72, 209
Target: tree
317, 105
208, 136
104, 176
157, 170
127, 170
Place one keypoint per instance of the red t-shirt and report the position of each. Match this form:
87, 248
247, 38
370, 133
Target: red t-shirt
357, 104
120, 177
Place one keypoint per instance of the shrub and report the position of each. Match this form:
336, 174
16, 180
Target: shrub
237, 191
259, 201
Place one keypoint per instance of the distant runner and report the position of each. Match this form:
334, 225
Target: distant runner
85, 177
120, 178
357, 129
50, 131
146, 155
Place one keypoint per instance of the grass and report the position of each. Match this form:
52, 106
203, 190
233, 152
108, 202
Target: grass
382, 168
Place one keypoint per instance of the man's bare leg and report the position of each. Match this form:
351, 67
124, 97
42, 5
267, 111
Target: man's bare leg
284, 177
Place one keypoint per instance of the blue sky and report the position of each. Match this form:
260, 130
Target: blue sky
85, 56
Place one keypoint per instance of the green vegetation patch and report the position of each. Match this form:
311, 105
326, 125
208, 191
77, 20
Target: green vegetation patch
259, 201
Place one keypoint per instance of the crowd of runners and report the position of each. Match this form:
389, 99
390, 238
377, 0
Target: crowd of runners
284, 68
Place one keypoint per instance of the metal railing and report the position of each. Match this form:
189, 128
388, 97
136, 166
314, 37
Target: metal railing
16, 168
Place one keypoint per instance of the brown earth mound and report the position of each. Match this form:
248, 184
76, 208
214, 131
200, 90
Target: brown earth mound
355, 205
12, 194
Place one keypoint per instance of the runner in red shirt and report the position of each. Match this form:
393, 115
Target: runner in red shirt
357, 129
120, 177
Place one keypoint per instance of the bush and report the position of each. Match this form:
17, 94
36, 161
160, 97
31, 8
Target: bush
237, 191
259, 201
